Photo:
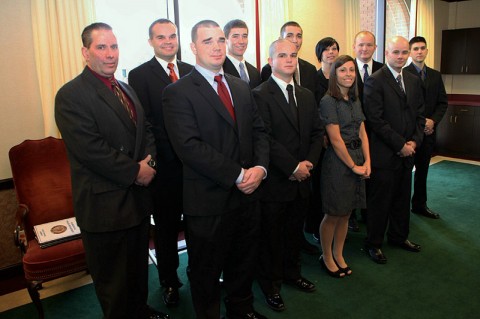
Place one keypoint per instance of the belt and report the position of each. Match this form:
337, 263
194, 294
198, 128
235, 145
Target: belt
354, 144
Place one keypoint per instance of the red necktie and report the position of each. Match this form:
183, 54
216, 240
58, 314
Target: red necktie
123, 99
173, 76
224, 96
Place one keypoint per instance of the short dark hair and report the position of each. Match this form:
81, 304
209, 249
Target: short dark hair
323, 44
87, 32
416, 40
203, 23
289, 24
237, 23
333, 89
158, 21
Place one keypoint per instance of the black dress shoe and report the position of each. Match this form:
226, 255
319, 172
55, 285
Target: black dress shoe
407, 245
353, 225
302, 284
275, 302
376, 255
425, 211
309, 248
171, 297
153, 314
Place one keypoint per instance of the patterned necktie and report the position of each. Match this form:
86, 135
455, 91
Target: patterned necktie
123, 99
173, 76
365, 75
243, 74
399, 81
291, 103
423, 74
224, 96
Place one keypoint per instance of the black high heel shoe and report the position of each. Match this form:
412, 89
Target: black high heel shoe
347, 270
335, 274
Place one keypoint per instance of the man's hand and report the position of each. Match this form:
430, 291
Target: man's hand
429, 124
408, 149
303, 171
145, 173
251, 180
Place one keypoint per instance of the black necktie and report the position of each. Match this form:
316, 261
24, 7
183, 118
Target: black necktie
399, 81
291, 102
365, 75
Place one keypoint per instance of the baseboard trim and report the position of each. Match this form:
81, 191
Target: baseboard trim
6, 184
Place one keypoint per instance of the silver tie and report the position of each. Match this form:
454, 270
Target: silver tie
243, 74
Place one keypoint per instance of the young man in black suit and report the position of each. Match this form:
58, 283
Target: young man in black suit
291, 119
214, 126
111, 149
307, 72
364, 46
149, 80
436, 104
393, 102
236, 32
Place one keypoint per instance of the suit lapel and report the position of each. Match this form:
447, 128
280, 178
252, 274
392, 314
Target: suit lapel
159, 71
282, 102
207, 91
393, 82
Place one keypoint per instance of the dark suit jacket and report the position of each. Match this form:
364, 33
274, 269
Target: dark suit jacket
149, 80
253, 73
392, 117
212, 147
436, 101
104, 147
290, 142
375, 67
308, 74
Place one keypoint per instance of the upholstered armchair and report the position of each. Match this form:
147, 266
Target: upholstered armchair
41, 175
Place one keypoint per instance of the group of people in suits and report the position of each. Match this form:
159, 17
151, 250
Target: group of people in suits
234, 151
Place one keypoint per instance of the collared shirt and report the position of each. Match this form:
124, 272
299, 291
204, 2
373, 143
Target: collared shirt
283, 86
362, 70
395, 74
420, 70
236, 64
164, 65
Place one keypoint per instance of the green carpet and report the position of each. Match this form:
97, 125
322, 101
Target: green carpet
439, 282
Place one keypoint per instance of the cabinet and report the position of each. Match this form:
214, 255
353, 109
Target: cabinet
460, 51
458, 134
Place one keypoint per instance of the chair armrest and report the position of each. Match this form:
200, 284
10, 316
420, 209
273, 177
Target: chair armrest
19, 233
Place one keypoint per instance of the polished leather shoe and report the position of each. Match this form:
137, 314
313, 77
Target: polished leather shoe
353, 225
376, 255
407, 245
275, 302
171, 297
254, 315
302, 284
427, 212
153, 314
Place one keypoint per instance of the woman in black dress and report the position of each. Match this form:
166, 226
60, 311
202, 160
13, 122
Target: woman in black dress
345, 165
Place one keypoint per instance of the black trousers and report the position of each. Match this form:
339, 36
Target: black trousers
280, 243
388, 205
422, 161
223, 243
167, 198
118, 263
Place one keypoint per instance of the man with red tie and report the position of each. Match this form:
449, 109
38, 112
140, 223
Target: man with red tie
149, 80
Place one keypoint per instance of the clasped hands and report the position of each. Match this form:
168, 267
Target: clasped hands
145, 173
252, 177
408, 149
303, 171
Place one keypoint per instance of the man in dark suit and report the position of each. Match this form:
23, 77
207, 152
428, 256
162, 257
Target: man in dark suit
394, 108
149, 80
306, 73
291, 119
436, 104
364, 46
111, 149
214, 126
236, 32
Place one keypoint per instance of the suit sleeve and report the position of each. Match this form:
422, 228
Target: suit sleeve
139, 84
441, 104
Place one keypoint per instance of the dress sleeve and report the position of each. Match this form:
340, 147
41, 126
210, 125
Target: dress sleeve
328, 110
